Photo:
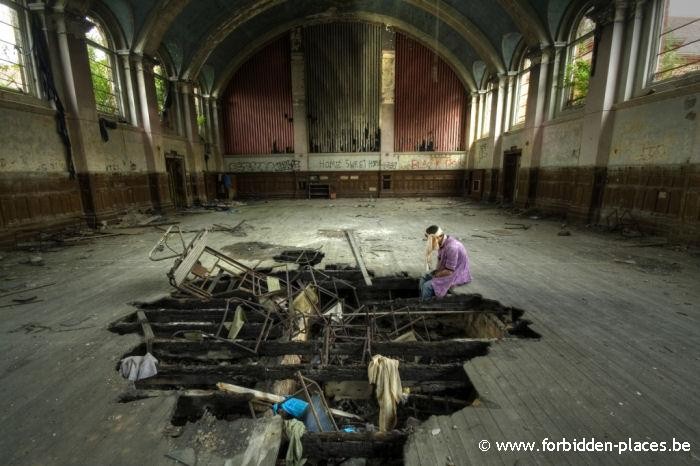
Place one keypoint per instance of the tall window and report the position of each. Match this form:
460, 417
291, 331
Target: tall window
577, 74
522, 89
14, 54
678, 45
199, 110
161, 83
486, 111
103, 70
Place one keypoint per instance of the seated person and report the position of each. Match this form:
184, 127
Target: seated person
453, 264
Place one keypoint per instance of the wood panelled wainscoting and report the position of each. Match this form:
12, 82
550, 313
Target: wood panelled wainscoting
664, 200
30, 203
33, 203
352, 183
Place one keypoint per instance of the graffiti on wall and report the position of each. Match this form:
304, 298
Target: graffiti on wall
349, 162
438, 161
262, 164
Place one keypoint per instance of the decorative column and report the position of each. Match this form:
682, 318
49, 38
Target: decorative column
71, 97
143, 95
386, 112
555, 96
125, 56
301, 130
480, 121
497, 117
471, 136
634, 50
206, 109
598, 116
188, 114
218, 141
177, 99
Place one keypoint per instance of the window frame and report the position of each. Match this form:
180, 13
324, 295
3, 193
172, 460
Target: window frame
567, 104
486, 110
653, 51
199, 110
522, 71
111, 52
31, 86
166, 83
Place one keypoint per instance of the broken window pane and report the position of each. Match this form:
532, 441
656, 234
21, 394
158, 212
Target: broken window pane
678, 50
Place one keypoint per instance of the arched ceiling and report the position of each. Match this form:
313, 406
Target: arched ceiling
208, 38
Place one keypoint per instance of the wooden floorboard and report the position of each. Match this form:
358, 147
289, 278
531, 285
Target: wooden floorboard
609, 331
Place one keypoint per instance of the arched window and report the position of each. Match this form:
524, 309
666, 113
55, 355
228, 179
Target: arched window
678, 39
521, 92
161, 83
199, 111
15, 58
487, 102
103, 69
577, 73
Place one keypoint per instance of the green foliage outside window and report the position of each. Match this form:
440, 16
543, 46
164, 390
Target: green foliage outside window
669, 59
161, 87
102, 80
578, 77
201, 121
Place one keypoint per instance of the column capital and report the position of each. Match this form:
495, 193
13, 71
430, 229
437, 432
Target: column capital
36, 6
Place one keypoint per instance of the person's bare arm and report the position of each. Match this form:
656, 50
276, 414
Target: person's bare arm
442, 273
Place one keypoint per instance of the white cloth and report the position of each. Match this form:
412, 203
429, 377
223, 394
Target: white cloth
433, 244
383, 372
138, 367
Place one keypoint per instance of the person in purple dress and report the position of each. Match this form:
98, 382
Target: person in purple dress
453, 264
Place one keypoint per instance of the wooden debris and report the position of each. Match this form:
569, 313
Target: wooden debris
350, 235
147, 330
272, 398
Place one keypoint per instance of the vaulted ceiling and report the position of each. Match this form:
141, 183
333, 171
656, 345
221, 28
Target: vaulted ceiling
208, 39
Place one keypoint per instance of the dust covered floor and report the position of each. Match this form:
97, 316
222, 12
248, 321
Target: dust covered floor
618, 357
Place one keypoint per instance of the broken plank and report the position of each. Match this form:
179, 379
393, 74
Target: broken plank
350, 235
457, 348
323, 445
199, 374
273, 398
148, 335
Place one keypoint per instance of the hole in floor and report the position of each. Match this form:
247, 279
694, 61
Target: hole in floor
431, 340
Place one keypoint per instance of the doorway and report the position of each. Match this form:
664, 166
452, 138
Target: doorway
511, 161
175, 166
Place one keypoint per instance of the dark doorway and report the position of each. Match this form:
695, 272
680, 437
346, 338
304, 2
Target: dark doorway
175, 167
511, 161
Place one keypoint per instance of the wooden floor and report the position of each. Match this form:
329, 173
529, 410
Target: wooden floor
618, 358
613, 364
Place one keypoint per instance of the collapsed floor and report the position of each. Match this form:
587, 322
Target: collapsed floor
617, 359
307, 328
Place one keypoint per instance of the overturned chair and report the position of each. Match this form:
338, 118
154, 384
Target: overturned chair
206, 273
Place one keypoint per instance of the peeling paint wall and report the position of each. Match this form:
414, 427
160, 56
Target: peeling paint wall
122, 153
561, 145
431, 102
659, 133
30, 142
483, 153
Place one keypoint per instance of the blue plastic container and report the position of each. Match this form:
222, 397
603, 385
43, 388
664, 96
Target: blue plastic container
292, 406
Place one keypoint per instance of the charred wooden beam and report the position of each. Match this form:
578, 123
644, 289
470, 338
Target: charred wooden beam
217, 350
166, 329
208, 375
354, 445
